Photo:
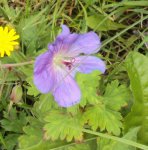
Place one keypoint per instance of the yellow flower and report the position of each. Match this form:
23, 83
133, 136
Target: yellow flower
7, 41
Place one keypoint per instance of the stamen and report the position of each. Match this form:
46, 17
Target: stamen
73, 60
69, 63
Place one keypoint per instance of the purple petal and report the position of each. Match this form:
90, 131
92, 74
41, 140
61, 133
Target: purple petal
67, 93
87, 43
63, 41
58, 44
86, 64
41, 61
64, 33
64, 44
43, 73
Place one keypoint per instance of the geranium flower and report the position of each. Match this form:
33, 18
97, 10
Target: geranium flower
7, 41
54, 70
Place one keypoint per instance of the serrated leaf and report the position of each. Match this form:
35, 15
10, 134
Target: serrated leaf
31, 138
137, 68
103, 118
94, 22
88, 84
104, 115
12, 122
73, 109
106, 144
34, 138
11, 141
116, 96
69, 127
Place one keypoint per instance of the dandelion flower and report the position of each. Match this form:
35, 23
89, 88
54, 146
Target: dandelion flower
7, 41
54, 70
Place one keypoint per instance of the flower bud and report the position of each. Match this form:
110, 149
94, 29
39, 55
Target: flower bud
16, 94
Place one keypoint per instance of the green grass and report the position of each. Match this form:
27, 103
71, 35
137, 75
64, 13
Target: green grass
122, 27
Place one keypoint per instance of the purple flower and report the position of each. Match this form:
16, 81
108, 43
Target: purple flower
55, 69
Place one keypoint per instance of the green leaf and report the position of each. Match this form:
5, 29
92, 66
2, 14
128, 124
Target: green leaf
90, 2
104, 118
32, 136
22, 71
137, 68
9, 12
73, 109
83, 146
11, 141
116, 96
100, 22
115, 138
104, 113
68, 126
42, 107
32, 90
128, 3
13, 122
4, 76
91, 81
35, 138
106, 144
34, 31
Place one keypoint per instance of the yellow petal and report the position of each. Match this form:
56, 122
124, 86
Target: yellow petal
14, 43
8, 53
7, 40
1, 53
6, 30
1, 29
10, 48
12, 33
14, 38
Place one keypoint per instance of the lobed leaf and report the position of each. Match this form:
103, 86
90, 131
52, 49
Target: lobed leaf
91, 81
104, 118
69, 127
116, 96
13, 122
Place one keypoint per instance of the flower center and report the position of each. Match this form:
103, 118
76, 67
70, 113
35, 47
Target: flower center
57, 59
69, 62
60, 60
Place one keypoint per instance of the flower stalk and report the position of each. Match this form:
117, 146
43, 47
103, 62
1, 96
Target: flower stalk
16, 64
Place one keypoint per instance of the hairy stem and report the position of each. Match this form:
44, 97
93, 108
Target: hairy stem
16, 64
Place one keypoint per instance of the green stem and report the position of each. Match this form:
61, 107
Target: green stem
118, 34
122, 140
2, 85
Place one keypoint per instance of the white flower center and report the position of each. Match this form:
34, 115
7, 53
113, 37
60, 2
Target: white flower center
61, 61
